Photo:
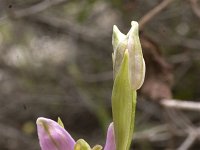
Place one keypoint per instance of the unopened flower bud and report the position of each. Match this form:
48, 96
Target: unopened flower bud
131, 42
129, 71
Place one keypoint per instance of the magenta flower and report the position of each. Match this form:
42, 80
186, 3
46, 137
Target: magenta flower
53, 136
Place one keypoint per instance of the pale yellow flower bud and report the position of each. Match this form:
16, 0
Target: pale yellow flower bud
131, 42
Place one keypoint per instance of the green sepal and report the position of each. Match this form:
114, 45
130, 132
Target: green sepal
60, 122
82, 145
123, 106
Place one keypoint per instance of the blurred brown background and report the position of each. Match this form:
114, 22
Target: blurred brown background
55, 60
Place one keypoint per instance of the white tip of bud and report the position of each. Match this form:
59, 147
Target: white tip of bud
134, 23
117, 37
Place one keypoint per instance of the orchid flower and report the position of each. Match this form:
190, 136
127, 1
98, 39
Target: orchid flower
53, 136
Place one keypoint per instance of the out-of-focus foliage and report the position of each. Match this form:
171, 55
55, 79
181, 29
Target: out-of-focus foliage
55, 60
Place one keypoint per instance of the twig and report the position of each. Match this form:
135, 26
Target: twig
77, 32
180, 104
158, 133
37, 8
188, 141
153, 12
195, 7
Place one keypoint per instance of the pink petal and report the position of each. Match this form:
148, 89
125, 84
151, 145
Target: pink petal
110, 140
52, 136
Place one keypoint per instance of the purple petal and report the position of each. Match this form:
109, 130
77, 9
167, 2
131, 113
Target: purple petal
110, 140
52, 136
